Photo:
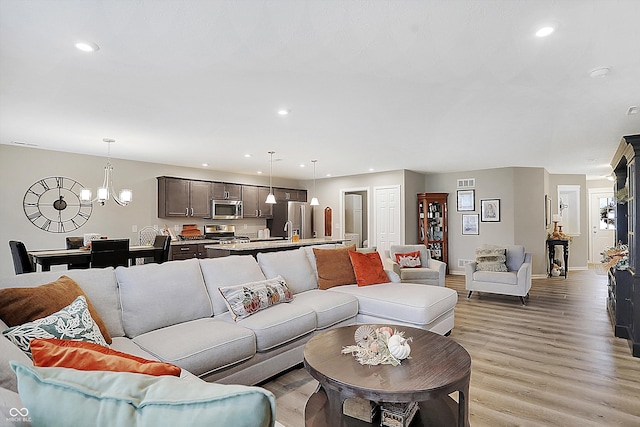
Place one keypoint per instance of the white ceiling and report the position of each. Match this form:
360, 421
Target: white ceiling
431, 86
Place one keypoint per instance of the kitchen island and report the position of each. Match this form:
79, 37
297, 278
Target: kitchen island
252, 248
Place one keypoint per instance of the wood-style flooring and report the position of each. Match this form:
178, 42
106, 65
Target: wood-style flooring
553, 362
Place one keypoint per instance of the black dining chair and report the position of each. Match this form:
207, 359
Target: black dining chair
76, 243
164, 243
109, 253
21, 260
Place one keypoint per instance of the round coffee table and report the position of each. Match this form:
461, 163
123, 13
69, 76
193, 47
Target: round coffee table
438, 366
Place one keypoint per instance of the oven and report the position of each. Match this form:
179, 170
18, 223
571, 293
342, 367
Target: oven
223, 234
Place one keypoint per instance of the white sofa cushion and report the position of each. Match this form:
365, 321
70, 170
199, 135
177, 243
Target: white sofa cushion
403, 302
154, 296
292, 265
228, 271
277, 325
330, 308
515, 257
99, 284
9, 351
200, 346
503, 277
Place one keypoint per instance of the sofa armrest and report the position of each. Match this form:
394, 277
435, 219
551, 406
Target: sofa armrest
393, 276
434, 264
469, 269
524, 272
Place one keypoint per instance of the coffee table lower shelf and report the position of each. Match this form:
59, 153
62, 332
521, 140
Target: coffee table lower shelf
442, 412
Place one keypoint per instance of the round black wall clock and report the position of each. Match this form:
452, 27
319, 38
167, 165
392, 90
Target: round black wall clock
53, 204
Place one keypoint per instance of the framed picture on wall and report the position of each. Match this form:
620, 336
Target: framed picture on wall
547, 211
490, 210
470, 224
466, 200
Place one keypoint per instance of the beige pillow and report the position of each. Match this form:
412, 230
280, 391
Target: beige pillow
22, 305
491, 259
334, 267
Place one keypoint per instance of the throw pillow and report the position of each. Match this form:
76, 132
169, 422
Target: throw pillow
491, 259
21, 305
87, 356
334, 267
249, 298
68, 397
368, 268
72, 322
409, 260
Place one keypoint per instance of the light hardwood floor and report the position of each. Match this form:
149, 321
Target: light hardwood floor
553, 362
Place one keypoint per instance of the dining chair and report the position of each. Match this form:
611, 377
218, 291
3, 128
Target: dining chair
109, 253
163, 242
76, 243
21, 260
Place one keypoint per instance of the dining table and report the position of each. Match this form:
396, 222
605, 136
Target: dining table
49, 257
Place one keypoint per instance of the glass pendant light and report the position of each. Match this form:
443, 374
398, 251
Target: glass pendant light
271, 199
314, 199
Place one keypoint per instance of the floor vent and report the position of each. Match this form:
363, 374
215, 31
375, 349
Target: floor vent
463, 262
467, 183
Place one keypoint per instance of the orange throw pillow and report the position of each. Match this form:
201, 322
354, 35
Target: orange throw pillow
409, 260
86, 356
334, 267
22, 305
368, 268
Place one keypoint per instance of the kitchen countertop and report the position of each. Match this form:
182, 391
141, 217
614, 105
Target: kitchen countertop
214, 242
253, 246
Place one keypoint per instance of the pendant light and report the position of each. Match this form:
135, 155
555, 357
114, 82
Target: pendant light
271, 199
314, 199
107, 190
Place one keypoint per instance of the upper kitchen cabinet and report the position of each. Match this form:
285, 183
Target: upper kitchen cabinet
290, 195
179, 197
253, 202
226, 191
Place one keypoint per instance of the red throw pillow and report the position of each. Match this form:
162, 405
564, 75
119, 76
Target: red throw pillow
368, 268
86, 356
409, 260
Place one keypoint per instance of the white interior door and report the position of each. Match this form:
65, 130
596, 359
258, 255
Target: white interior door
602, 223
388, 217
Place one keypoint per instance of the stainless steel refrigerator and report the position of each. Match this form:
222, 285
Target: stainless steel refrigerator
299, 213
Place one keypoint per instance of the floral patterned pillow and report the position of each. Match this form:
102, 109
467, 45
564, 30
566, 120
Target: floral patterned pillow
74, 322
249, 298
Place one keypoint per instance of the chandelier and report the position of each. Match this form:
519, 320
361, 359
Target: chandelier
107, 190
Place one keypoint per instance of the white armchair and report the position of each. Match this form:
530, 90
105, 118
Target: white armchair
516, 281
432, 272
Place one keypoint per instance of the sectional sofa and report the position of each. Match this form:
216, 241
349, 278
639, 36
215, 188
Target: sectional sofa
174, 312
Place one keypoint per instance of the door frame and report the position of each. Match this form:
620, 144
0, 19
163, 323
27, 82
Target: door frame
343, 192
590, 194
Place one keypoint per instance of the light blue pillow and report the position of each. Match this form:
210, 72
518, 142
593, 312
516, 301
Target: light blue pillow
68, 397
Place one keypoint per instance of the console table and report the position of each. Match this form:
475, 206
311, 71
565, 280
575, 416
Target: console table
551, 246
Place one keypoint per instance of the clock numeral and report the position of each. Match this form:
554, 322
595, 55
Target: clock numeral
30, 204
85, 205
83, 215
60, 181
46, 225
34, 216
44, 184
61, 227
33, 192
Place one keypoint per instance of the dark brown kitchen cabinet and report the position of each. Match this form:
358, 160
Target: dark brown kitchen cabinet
290, 195
226, 191
187, 251
253, 202
179, 197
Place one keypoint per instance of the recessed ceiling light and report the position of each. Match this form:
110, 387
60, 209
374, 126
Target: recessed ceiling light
544, 31
328, 174
247, 155
302, 165
259, 172
284, 112
371, 169
87, 46
205, 164
600, 72
632, 110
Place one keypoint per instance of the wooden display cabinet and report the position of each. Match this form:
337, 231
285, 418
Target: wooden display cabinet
432, 224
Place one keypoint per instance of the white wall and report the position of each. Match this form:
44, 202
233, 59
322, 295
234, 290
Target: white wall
20, 167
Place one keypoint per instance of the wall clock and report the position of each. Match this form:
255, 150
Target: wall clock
53, 204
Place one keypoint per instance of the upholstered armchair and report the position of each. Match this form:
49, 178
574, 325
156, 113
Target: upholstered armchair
431, 272
516, 280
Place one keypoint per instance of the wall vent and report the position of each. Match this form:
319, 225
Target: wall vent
467, 183
463, 262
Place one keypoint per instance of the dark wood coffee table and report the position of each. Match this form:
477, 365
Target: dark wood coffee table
438, 366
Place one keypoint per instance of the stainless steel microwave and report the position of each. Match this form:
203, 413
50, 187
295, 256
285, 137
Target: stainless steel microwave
226, 209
